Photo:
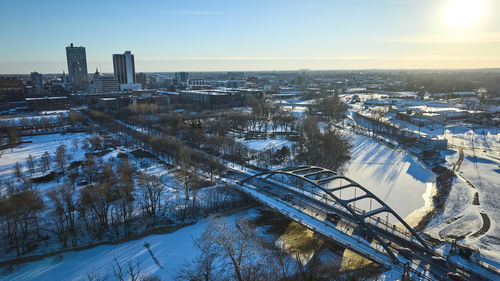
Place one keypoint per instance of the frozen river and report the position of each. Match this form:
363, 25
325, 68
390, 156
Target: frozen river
395, 176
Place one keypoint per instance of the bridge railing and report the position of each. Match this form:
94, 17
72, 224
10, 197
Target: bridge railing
372, 220
373, 245
352, 246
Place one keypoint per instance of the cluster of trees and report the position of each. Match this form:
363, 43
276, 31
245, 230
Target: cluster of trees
11, 129
12, 135
261, 118
20, 212
99, 144
328, 148
21, 205
103, 199
208, 131
377, 125
330, 107
273, 157
191, 140
41, 122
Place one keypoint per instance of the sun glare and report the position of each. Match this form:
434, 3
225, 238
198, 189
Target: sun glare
464, 13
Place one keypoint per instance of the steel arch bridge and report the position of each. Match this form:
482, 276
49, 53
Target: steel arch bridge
320, 178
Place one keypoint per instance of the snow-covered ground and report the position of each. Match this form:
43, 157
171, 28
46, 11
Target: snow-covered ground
395, 176
263, 144
487, 138
36, 146
172, 250
484, 174
50, 116
483, 137
472, 210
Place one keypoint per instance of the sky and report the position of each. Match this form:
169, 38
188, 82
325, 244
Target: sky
230, 35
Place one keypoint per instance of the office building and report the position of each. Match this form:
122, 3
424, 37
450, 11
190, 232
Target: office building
11, 90
124, 68
141, 79
182, 78
36, 80
105, 83
77, 67
219, 98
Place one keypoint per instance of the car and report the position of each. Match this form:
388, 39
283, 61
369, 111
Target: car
440, 261
455, 276
405, 252
332, 217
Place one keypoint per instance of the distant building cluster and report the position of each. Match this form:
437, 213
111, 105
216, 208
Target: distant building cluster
390, 98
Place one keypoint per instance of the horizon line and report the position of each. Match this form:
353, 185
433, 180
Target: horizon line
293, 70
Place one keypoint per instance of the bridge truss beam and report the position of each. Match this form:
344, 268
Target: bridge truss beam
297, 172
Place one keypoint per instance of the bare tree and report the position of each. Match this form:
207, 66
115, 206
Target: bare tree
93, 276
61, 156
63, 201
202, 268
75, 145
96, 143
45, 162
151, 190
18, 171
132, 271
90, 169
31, 164
13, 137
125, 192
232, 247
95, 200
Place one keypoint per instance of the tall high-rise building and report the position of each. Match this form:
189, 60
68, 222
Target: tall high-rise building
36, 80
124, 67
77, 67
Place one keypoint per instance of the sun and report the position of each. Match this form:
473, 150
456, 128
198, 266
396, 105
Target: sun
464, 13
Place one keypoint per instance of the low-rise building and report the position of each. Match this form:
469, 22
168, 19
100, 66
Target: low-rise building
47, 103
106, 84
220, 98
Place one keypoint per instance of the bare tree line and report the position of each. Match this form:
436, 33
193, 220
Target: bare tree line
103, 199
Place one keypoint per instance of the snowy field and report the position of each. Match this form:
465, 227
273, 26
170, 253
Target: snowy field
472, 210
395, 176
484, 174
486, 138
172, 250
36, 146
263, 144
51, 116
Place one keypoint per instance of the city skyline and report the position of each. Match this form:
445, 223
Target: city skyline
279, 35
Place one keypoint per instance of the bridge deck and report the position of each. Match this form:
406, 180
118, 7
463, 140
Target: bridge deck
322, 227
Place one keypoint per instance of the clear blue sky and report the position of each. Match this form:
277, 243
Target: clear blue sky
204, 35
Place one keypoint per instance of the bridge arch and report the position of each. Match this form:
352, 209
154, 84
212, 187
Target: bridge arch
312, 175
